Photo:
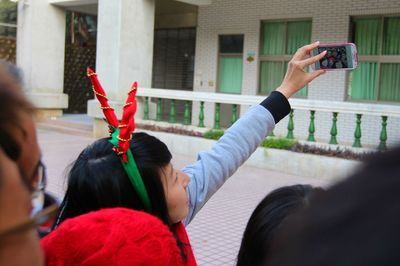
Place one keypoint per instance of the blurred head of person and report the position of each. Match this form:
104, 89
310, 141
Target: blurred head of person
267, 218
19, 243
19, 157
356, 222
17, 129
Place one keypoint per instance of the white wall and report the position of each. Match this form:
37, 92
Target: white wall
124, 45
40, 52
330, 23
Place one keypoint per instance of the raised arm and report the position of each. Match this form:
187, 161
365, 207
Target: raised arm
214, 167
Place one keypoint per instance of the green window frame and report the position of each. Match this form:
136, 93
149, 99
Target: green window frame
230, 63
279, 41
377, 77
8, 19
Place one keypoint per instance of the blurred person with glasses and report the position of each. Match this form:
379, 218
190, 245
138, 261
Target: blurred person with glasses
17, 129
22, 175
19, 244
18, 137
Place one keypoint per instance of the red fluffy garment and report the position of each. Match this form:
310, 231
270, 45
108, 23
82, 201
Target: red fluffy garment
114, 236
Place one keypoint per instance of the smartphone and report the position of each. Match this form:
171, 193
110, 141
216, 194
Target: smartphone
339, 56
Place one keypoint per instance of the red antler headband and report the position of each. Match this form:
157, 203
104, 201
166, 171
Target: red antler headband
121, 134
127, 125
101, 96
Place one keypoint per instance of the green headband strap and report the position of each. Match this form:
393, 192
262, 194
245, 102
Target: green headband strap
133, 173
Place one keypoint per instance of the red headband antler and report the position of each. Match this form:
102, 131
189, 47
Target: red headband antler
127, 125
101, 96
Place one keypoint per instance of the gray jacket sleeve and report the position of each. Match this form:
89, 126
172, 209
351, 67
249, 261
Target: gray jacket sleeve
214, 167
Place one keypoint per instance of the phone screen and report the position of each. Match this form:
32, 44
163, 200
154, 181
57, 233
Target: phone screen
337, 57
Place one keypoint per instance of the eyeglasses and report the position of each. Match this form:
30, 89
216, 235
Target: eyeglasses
40, 218
40, 176
37, 181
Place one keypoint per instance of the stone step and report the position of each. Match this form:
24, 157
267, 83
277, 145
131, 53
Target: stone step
68, 127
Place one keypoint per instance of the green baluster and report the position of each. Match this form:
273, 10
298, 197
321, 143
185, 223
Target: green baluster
234, 114
334, 129
201, 115
172, 112
311, 128
158, 112
357, 133
217, 116
383, 137
186, 114
146, 109
290, 126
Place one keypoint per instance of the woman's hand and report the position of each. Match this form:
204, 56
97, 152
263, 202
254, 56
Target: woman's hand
295, 77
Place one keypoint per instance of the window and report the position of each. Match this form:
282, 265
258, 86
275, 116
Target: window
230, 65
279, 41
81, 29
173, 58
8, 19
377, 77
8, 30
173, 65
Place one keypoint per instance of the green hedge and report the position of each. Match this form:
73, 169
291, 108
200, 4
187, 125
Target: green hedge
278, 143
269, 142
213, 134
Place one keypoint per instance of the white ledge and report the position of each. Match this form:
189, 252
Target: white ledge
196, 2
299, 104
48, 100
68, 3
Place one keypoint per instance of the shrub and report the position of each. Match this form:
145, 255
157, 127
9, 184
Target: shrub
213, 134
278, 143
344, 153
174, 130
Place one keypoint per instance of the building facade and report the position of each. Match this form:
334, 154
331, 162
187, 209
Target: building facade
271, 31
224, 46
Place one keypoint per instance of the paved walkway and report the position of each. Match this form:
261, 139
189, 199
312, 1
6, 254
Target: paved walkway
216, 231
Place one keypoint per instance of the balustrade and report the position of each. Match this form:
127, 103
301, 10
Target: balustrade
312, 106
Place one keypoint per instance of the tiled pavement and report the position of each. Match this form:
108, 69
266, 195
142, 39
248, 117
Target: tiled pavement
216, 231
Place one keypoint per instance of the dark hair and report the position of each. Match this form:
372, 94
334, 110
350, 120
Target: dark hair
97, 179
12, 103
267, 219
356, 222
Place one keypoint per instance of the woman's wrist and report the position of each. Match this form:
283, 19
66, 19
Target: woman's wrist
285, 91
277, 104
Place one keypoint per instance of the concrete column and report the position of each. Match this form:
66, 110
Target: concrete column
125, 36
40, 54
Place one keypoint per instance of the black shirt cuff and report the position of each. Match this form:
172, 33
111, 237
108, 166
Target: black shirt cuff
277, 104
